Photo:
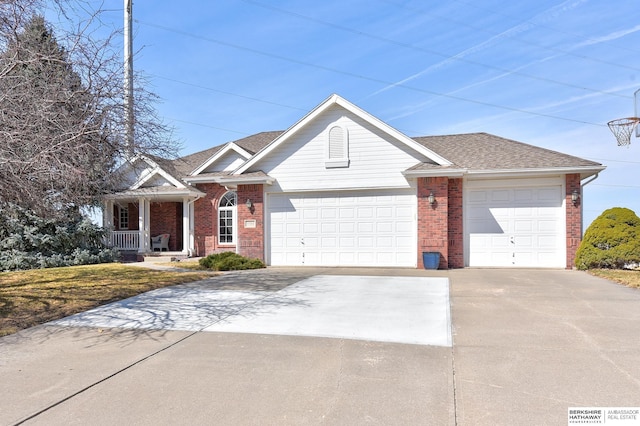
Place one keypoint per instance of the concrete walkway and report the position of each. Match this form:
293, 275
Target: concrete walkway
527, 345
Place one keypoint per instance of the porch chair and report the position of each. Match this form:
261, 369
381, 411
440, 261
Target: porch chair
160, 242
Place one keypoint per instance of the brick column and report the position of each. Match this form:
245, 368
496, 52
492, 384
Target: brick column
433, 219
574, 218
456, 232
251, 221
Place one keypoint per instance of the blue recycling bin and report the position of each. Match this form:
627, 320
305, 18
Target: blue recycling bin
431, 259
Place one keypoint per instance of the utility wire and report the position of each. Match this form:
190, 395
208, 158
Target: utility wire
535, 24
360, 76
526, 42
226, 93
208, 126
616, 186
430, 51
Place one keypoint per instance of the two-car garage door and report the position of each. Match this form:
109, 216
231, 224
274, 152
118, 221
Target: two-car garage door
343, 228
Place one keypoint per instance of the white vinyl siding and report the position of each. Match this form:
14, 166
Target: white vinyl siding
375, 159
515, 226
229, 162
346, 228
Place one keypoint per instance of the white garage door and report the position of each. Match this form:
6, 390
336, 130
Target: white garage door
351, 228
516, 227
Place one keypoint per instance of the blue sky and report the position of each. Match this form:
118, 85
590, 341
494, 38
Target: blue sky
547, 73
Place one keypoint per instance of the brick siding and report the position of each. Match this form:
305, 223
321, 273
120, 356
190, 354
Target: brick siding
205, 217
440, 226
456, 231
433, 230
574, 218
166, 218
251, 239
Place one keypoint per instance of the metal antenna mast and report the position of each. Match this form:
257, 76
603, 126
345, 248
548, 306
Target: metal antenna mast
128, 75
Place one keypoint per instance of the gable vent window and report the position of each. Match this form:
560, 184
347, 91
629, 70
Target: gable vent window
338, 148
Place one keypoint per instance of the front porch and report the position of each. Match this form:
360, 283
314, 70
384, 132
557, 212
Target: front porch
155, 216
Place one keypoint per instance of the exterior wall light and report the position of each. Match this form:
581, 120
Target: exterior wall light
431, 198
249, 203
575, 196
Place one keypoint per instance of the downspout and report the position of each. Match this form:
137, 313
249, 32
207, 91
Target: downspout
582, 185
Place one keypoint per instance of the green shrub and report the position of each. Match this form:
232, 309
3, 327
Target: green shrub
28, 241
612, 241
230, 261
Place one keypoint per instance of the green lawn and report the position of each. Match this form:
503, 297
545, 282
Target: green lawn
29, 298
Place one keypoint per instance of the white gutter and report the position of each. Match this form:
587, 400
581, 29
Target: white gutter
501, 172
231, 180
203, 179
534, 171
434, 173
138, 193
240, 180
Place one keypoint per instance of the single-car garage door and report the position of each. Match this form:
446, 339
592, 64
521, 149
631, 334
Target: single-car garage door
343, 228
515, 226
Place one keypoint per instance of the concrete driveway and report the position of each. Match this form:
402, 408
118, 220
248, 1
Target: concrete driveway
409, 309
527, 345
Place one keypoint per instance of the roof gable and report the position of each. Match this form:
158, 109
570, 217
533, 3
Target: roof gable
151, 174
231, 152
343, 103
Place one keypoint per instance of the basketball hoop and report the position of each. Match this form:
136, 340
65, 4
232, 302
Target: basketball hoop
623, 128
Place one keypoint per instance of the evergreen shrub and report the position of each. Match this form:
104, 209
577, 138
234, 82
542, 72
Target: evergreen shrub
28, 241
230, 261
612, 241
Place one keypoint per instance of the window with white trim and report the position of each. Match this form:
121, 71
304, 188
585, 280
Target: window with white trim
124, 217
337, 147
227, 218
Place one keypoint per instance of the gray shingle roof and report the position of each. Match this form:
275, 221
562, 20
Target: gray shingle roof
482, 151
473, 151
185, 165
255, 143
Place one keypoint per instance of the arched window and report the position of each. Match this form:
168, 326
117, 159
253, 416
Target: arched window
227, 218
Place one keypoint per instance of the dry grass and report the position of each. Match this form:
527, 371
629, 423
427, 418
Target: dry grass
192, 265
626, 277
29, 298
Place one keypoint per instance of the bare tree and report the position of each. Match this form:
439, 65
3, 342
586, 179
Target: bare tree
61, 109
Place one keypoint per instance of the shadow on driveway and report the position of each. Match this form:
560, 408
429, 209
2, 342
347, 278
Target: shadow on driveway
407, 309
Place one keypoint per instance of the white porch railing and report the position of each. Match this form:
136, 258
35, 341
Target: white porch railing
125, 240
